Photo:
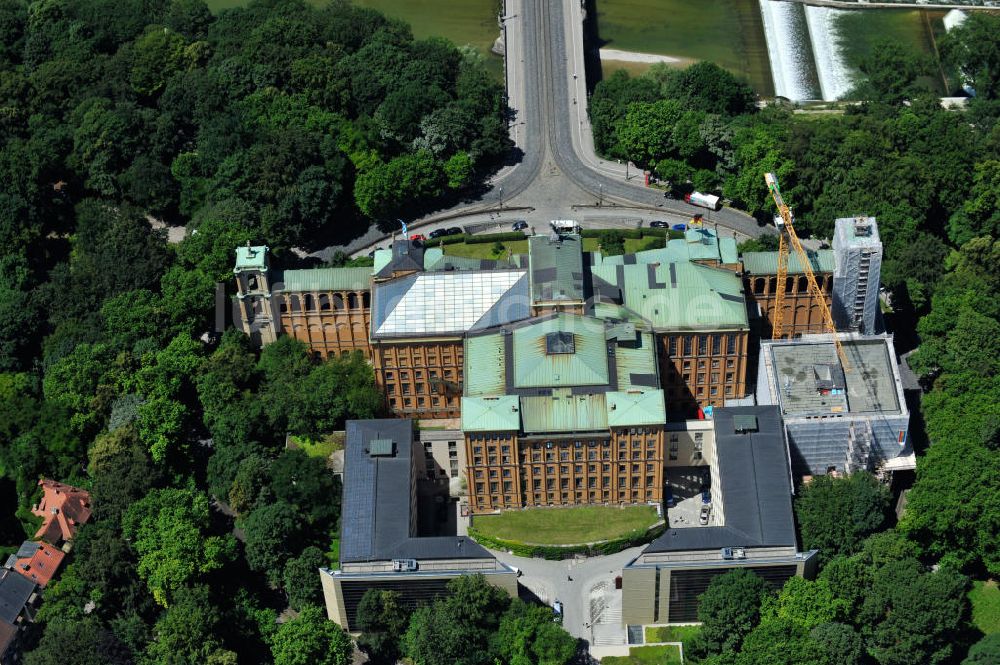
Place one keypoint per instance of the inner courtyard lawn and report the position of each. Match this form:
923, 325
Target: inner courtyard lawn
566, 526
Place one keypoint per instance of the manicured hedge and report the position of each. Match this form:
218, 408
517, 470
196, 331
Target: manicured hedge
557, 552
494, 237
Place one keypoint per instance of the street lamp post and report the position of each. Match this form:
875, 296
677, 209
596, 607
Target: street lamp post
501, 198
600, 200
627, 162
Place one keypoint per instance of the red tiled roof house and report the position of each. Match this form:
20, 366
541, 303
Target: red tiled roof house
63, 508
36, 561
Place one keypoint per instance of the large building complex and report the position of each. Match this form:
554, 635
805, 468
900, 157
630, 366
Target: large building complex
751, 525
381, 545
559, 370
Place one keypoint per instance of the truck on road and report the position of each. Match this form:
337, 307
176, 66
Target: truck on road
709, 201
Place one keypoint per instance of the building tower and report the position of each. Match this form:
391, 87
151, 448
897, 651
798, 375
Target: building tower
857, 253
253, 294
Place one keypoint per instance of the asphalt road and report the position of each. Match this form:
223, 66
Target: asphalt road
557, 31
558, 175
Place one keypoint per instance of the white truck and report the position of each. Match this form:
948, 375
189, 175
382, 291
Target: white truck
565, 226
709, 201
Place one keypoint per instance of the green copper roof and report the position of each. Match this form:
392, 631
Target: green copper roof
728, 251
382, 258
485, 363
587, 365
251, 258
431, 256
327, 279
556, 268
563, 412
491, 414
635, 407
681, 295
766, 263
636, 362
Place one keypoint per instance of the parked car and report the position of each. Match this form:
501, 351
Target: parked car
658, 224
418, 237
437, 233
371, 254
670, 497
706, 512
557, 611
519, 225
679, 227
455, 231
706, 496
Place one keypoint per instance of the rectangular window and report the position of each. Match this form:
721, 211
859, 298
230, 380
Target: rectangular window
729, 377
702, 344
715, 377
687, 345
730, 343
672, 346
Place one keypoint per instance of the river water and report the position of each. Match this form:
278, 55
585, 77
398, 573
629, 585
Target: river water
782, 48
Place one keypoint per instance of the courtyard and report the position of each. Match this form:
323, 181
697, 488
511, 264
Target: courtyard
566, 526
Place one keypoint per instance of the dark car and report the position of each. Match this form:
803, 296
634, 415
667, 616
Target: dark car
437, 233
679, 227
671, 502
455, 231
519, 225
706, 496
659, 224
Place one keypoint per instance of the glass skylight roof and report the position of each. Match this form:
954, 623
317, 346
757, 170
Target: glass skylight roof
450, 302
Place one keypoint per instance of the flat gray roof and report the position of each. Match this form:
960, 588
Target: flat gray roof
870, 379
376, 510
755, 483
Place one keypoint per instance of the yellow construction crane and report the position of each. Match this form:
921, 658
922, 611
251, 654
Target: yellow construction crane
786, 237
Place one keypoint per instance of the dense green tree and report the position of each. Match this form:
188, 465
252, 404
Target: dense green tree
729, 610
82, 641
307, 485
382, 620
528, 636
911, 616
187, 631
836, 514
272, 535
457, 629
170, 530
973, 50
985, 651
778, 641
301, 578
704, 86
805, 603
841, 642
891, 71
311, 639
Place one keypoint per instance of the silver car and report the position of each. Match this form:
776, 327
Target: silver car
706, 512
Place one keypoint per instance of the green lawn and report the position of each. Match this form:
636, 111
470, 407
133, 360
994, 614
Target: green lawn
659, 655
985, 599
484, 250
682, 634
566, 526
319, 448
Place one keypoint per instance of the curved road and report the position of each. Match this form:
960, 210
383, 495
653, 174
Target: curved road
546, 24
558, 173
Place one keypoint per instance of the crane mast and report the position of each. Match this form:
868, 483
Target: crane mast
786, 237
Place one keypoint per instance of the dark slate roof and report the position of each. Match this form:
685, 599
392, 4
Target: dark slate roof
406, 255
755, 483
375, 513
15, 590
